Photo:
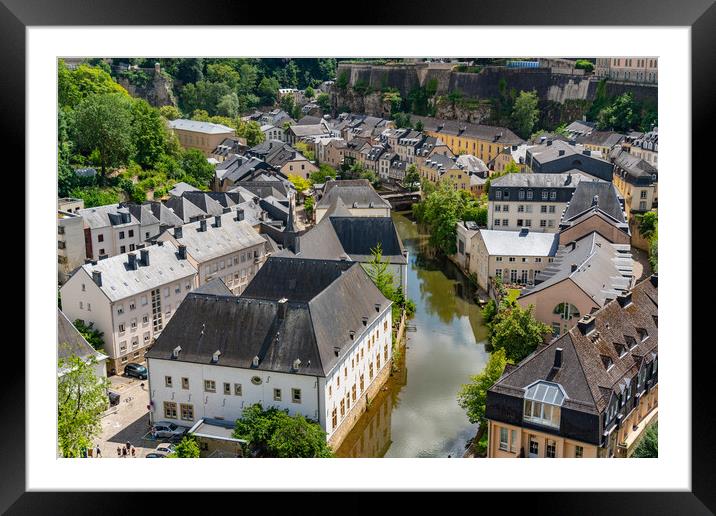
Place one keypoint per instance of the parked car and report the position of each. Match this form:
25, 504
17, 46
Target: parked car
155, 455
167, 429
113, 398
136, 370
165, 448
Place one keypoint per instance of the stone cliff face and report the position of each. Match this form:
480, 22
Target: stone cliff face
562, 95
158, 93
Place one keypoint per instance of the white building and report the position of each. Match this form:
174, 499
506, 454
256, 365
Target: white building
70, 244
225, 246
128, 298
71, 342
113, 230
272, 132
310, 336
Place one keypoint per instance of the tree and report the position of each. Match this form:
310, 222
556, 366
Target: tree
228, 105
442, 210
309, 92
81, 400
419, 126
324, 102
273, 433
250, 130
308, 206
648, 448
648, 224
189, 70
412, 178
170, 112
525, 113
654, 251
95, 196
268, 90
149, 134
393, 98
324, 173
90, 333
620, 115
515, 330
104, 123
585, 65
66, 177
300, 183
372, 177
379, 271
224, 73
73, 86
195, 165
188, 448
473, 396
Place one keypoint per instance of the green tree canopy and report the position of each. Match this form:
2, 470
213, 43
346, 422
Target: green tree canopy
648, 448
250, 130
81, 400
515, 330
648, 224
73, 86
473, 396
195, 165
323, 174
324, 102
620, 115
300, 183
309, 92
149, 134
91, 334
187, 448
273, 433
525, 112
104, 123
412, 178
170, 112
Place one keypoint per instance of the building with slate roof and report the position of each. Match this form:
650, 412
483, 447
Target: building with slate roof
283, 157
556, 157
636, 181
601, 141
129, 297
114, 229
228, 147
595, 206
357, 195
534, 201
483, 141
238, 168
204, 136
583, 275
224, 246
70, 342
589, 393
309, 336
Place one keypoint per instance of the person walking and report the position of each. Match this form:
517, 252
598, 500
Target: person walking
134, 451
119, 451
124, 453
99, 452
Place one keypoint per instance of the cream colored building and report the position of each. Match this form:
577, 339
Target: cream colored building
643, 70
129, 298
70, 244
203, 136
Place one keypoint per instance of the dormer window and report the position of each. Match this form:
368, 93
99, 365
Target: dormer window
620, 349
607, 362
631, 341
542, 403
643, 334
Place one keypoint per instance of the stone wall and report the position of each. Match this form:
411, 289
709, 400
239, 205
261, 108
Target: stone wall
158, 93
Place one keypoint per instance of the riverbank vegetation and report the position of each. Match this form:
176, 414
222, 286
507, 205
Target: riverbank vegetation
273, 433
648, 448
649, 229
441, 209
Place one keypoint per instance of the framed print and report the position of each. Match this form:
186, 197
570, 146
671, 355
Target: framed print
493, 172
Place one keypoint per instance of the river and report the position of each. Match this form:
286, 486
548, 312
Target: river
417, 414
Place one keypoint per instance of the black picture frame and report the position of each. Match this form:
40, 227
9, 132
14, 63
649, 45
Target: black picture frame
700, 15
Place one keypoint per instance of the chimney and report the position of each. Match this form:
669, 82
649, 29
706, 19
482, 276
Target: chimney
132, 263
145, 256
160, 243
282, 308
352, 334
296, 244
202, 225
182, 252
176, 351
296, 364
586, 324
561, 152
365, 321
654, 279
624, 299
217, 221
377, 307
178, 232
226, 210
568, 181
524, 231
595, 200
239, 214
215, 356
549, 142
574, 267
97, 278
558, 358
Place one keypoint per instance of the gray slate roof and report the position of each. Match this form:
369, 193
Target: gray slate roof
181, 187
105, 216
527, 180
215, 286
165, 215
603, 269
352, 192
71, 342
583, 197
325, 301
520, 243
199, 127
120, 282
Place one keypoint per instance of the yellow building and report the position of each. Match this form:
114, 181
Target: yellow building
589, 393
483, 141
203, 136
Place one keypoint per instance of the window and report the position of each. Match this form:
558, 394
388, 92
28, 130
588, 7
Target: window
123, 249
124, 360
209, 386
100, 238
498, 207
498, 273
170, 410
504, 433
566, 311
120, 309
551, 209
135, 342
146, 337
542, 223
643, 194
121, 235
528, 208
543, 401
166, 291
529, 195
227, 389
133, 324
519, 222
521, 208
89, 307
551, 451
123, 347
334, 418
550, 223
579, 452
296, 395
187, 412
361, 383
505, 208
167, 381
552, 195
498, 194
121, 328
277, 394
145, 319
353, 392
370, 371
343, 408
543, 208
512, 258
521, 195
177, 289
544, 195
497, 222
144, 300
538, 260
505, 222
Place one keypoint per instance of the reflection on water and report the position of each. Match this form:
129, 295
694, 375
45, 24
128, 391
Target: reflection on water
417, 414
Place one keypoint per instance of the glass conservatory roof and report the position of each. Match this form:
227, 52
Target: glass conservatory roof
545, 392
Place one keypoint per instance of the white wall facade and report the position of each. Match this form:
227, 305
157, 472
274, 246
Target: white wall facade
531, 211
236, 269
